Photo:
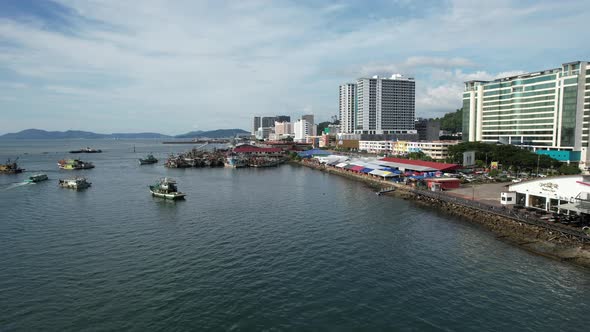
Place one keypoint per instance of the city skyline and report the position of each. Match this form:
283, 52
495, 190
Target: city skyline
118, 67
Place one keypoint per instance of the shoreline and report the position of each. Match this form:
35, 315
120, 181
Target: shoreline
556, 243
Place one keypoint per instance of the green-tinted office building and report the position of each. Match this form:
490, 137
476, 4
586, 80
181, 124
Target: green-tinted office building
548, 110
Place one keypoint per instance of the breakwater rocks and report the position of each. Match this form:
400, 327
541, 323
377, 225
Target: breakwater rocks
548, 242
551, 241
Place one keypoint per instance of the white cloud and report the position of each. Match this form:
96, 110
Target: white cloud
215, 64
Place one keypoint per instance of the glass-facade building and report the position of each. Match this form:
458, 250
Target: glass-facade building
547, 110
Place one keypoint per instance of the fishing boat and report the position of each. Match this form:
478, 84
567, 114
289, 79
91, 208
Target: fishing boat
166, 188
74, 183
263, 162
71, 164
86, 150
236, 162
149, 159
11, 167
37, 178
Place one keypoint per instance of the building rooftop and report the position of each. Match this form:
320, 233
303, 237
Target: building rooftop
420, 165
525, 75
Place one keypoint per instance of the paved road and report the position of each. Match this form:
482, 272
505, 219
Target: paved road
488, 193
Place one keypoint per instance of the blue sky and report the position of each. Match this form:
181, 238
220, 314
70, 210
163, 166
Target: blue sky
176, 66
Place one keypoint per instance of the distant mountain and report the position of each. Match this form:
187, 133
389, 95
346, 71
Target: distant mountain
42, 134
77, 134
219, 133
138, 135
74, 134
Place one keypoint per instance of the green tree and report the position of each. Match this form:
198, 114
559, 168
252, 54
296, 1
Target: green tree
452, 121
566, 169
509, 156
419, 156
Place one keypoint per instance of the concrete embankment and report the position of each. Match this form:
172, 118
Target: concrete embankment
551, 240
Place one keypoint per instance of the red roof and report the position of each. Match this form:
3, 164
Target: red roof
357, 168
254, 149
429, 164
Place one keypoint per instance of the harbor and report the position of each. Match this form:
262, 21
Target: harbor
324, 227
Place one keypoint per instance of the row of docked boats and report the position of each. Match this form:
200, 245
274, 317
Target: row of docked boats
237, 161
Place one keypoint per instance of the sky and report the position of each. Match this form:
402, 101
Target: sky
176, 66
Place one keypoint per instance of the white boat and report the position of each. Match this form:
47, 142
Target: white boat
74, 183
166, 188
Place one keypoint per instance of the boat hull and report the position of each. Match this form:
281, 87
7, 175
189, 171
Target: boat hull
147, 162
37, 178
172, 196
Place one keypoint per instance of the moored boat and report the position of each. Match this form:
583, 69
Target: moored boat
71, 164
236, 162
11, 167
37, 178
86, 150
149, 159
166, 188
74, 183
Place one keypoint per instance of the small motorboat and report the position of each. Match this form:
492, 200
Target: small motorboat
149, 159
37, 178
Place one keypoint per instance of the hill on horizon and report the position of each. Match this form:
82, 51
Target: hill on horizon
219, 133
79, 134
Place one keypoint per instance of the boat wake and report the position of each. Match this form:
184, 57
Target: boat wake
16, 185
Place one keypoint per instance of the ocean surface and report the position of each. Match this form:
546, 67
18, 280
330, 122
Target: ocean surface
285, 248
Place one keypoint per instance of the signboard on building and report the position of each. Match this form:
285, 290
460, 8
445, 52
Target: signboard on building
468, 158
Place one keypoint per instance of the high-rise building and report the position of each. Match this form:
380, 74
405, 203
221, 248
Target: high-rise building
347, 107
308, 118
267, 121
385, 105
303, 129
282, 118
428, 129
547, 109
255, 124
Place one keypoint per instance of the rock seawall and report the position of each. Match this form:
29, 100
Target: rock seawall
536, 239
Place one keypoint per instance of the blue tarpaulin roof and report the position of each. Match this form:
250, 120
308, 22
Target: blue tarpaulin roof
313, 152
366, 170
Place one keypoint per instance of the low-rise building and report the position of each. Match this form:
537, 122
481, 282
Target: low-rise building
379, 147
438, 150
570, 193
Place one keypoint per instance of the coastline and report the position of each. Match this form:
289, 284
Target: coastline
552, 243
